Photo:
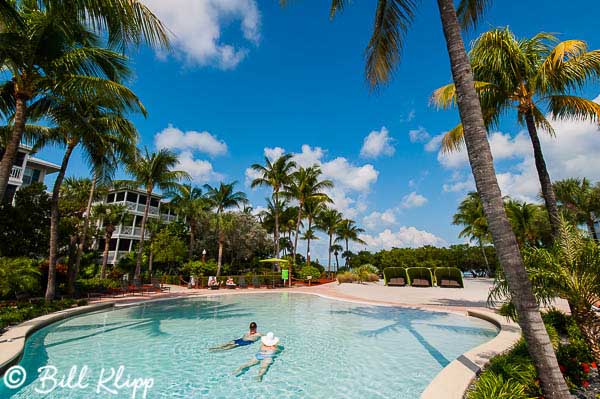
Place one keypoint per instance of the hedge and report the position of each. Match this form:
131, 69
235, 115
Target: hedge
393, 272
449, 273
419, 272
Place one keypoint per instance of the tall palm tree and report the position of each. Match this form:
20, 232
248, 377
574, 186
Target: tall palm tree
348, 231
329, 221
470, 215
312, 209
190, 204
275, 175
51, 49
305, 186
309, 234
581, 200
393, 19
111, 216
534, 76
524, 218
336, 249
222, 198
152, 170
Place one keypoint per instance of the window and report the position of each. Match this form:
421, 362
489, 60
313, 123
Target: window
132, 197
128, 220
154, 202
113, 244
19, 159
124, 244
138, 220
142, 199
110, 198
36, 175
120, 196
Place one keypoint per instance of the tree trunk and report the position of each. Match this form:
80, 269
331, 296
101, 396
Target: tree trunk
588, 322
276, 233
150, 261
592, 228
480, 157
138, 263
544, 176
220, 254
86, 224
487, 264
192, 239
337, 263
347, 252
73, 240
10, 152
308, 241
54, 220
298, 220
108, 232
329, 259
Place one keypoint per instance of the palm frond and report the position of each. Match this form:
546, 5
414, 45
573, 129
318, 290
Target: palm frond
453, 140
573, 107
541, 122
469, 12
337, 6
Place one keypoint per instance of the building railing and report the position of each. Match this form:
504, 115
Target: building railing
16, 172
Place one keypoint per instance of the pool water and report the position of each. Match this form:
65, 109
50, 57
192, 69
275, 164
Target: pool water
333, 349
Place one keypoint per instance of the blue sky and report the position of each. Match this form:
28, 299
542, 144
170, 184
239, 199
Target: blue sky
247, 75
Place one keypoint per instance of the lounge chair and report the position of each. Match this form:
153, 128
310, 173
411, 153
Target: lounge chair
158, 286
397, 282
138, 287
242, 282
449, 283
421, 282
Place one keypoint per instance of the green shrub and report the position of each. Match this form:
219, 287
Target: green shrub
494, 386
450, 273
96, 284
198, 268
419, 272
19, 312
18, 276
346, 277
307, 271
394, 272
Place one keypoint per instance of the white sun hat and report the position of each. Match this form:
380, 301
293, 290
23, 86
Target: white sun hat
269, 340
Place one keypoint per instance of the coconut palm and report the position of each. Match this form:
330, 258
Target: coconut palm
470, 215
348, 231
305, 186
110, 215
312, 209
52, 51
393, 18
535, 76
581, 200
336, 249
276, 175
222, 198
152, 170
190, 204
307, 236
525, 219
329, 221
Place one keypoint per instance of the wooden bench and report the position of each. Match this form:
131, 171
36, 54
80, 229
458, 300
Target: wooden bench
397, 282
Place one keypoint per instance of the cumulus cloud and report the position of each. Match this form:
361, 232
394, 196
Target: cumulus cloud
572, 153
376, 219
420, 135
413, 200
435, 143
197, 27
274, 153
176, 139
200, 170
402, 238
377, 143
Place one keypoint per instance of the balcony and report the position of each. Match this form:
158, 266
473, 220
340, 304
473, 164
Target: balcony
16, 173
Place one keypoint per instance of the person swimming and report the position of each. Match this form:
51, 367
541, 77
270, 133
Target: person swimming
269, 349
249, 338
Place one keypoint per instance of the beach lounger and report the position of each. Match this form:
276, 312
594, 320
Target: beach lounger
397, 282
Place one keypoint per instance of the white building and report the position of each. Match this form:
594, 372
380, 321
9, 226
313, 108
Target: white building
127, 235
27, 170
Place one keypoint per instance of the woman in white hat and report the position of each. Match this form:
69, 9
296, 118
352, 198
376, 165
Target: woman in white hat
268, 350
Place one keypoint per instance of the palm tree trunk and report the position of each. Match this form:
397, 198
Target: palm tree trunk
220, 254
308, 241
54, 220
544, 176
107, 237
276, 233
81, 246
10, 152
138, 262
150, 261
337, 263
329, 259
480, 157
591, 227
588, 322
347, 252
293, 263
487, 264
192, 239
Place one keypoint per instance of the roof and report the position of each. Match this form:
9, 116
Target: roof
49, 166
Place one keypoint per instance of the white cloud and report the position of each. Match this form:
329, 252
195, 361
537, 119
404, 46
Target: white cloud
377, 143
200, 170
572, 153
176, 139
420, 135
409, 116
343, 173
377, 220
434, 144
274, 153
413, 200
250, 175
402, 238
197, 26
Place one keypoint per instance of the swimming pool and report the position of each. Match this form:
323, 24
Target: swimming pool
333, 349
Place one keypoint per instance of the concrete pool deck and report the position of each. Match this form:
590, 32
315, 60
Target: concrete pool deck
451, 382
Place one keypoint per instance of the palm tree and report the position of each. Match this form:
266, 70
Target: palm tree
94, 125
111, 216
190, 204
329, 221
581, 200
312, 209
393, 19
305, 186
152, 170
535, 76
348, 231
525, 218
275, 175
222, 198
51, 49
336, 249
470, 215
309, 235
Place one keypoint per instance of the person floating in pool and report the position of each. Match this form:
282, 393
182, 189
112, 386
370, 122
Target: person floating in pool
265, 356
249, 338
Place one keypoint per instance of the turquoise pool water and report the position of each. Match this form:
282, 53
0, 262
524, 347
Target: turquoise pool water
333, 349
